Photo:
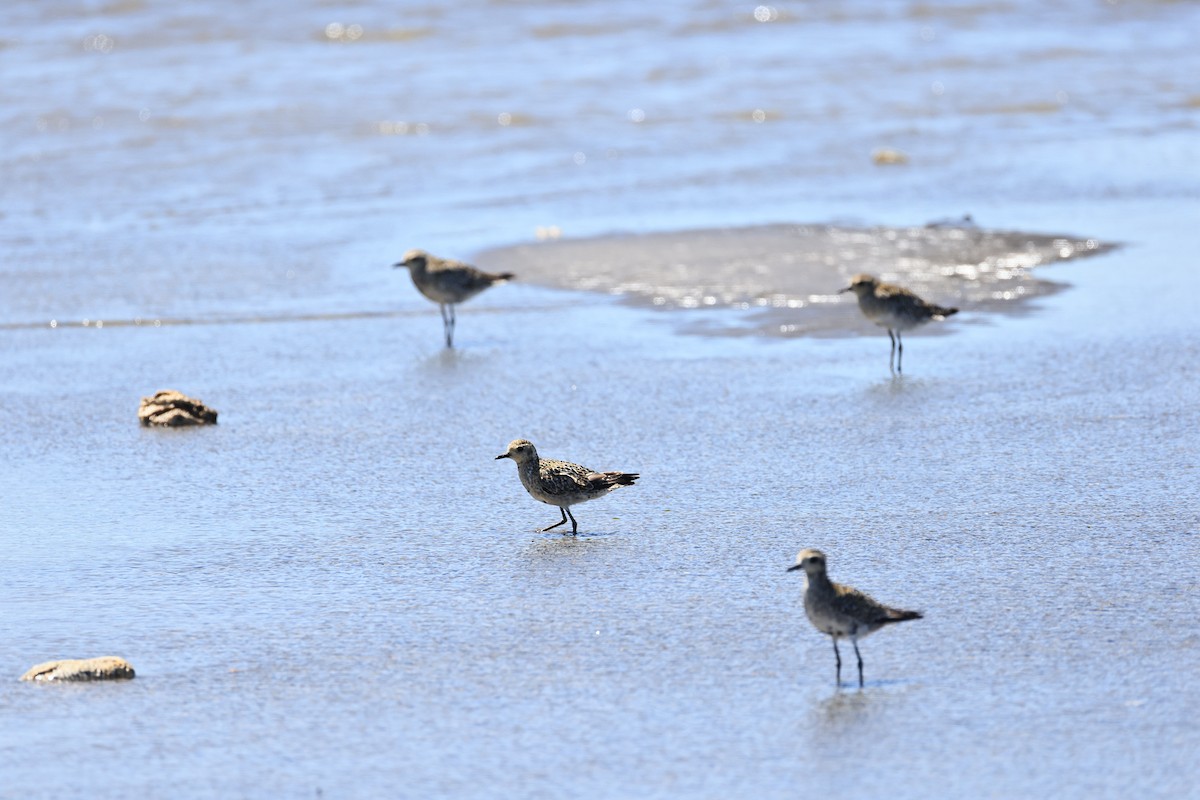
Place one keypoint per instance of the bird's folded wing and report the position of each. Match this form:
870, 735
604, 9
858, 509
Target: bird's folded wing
450, 264
467, 278
902, 299
857, 605
564, 478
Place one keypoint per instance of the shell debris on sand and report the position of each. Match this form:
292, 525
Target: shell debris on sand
103, 668
172, 409
888, 155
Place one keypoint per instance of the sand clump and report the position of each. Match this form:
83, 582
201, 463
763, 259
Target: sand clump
104, 668
172, 409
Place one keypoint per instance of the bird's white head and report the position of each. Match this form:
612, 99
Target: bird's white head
861, 284
413, 258
810, 560
520, 451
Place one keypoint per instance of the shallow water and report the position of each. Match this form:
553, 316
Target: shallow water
338, 591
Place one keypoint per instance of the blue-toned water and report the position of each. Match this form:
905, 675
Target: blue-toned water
338, 592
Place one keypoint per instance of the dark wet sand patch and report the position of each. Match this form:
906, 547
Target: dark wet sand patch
785, 277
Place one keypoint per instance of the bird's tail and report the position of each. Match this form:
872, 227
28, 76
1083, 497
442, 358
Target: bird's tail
900, 615
941, 312
613, 479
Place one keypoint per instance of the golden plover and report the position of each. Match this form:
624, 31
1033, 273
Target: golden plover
895, 308
561, 483
840, 610
447, 283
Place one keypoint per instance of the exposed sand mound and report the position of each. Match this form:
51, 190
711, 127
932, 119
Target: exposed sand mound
788, 275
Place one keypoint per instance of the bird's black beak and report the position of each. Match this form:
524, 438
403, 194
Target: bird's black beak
502, 455
400, 264
793, 568
840, 291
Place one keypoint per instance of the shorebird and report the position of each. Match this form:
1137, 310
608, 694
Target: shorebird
447, 283
561, 483
840, 610
895, 308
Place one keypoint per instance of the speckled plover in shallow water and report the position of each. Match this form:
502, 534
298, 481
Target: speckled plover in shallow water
561, 483
447, 282
895, 308
840, 610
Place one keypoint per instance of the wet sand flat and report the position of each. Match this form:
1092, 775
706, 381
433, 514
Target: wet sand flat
336, 591
341, 554
788, 275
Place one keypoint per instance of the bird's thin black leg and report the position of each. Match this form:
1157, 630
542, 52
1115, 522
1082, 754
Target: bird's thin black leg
892, 360
838, 656
860, 678
453, 322
446, 327
574, 524
562, 521
900, 358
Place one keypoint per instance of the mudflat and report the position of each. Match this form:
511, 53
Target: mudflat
788, 275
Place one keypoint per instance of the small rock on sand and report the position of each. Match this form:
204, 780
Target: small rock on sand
173, 409
104, 668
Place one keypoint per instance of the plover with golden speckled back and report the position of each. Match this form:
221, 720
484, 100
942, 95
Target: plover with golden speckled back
561, 483
447, 283
840, 610
895, 308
